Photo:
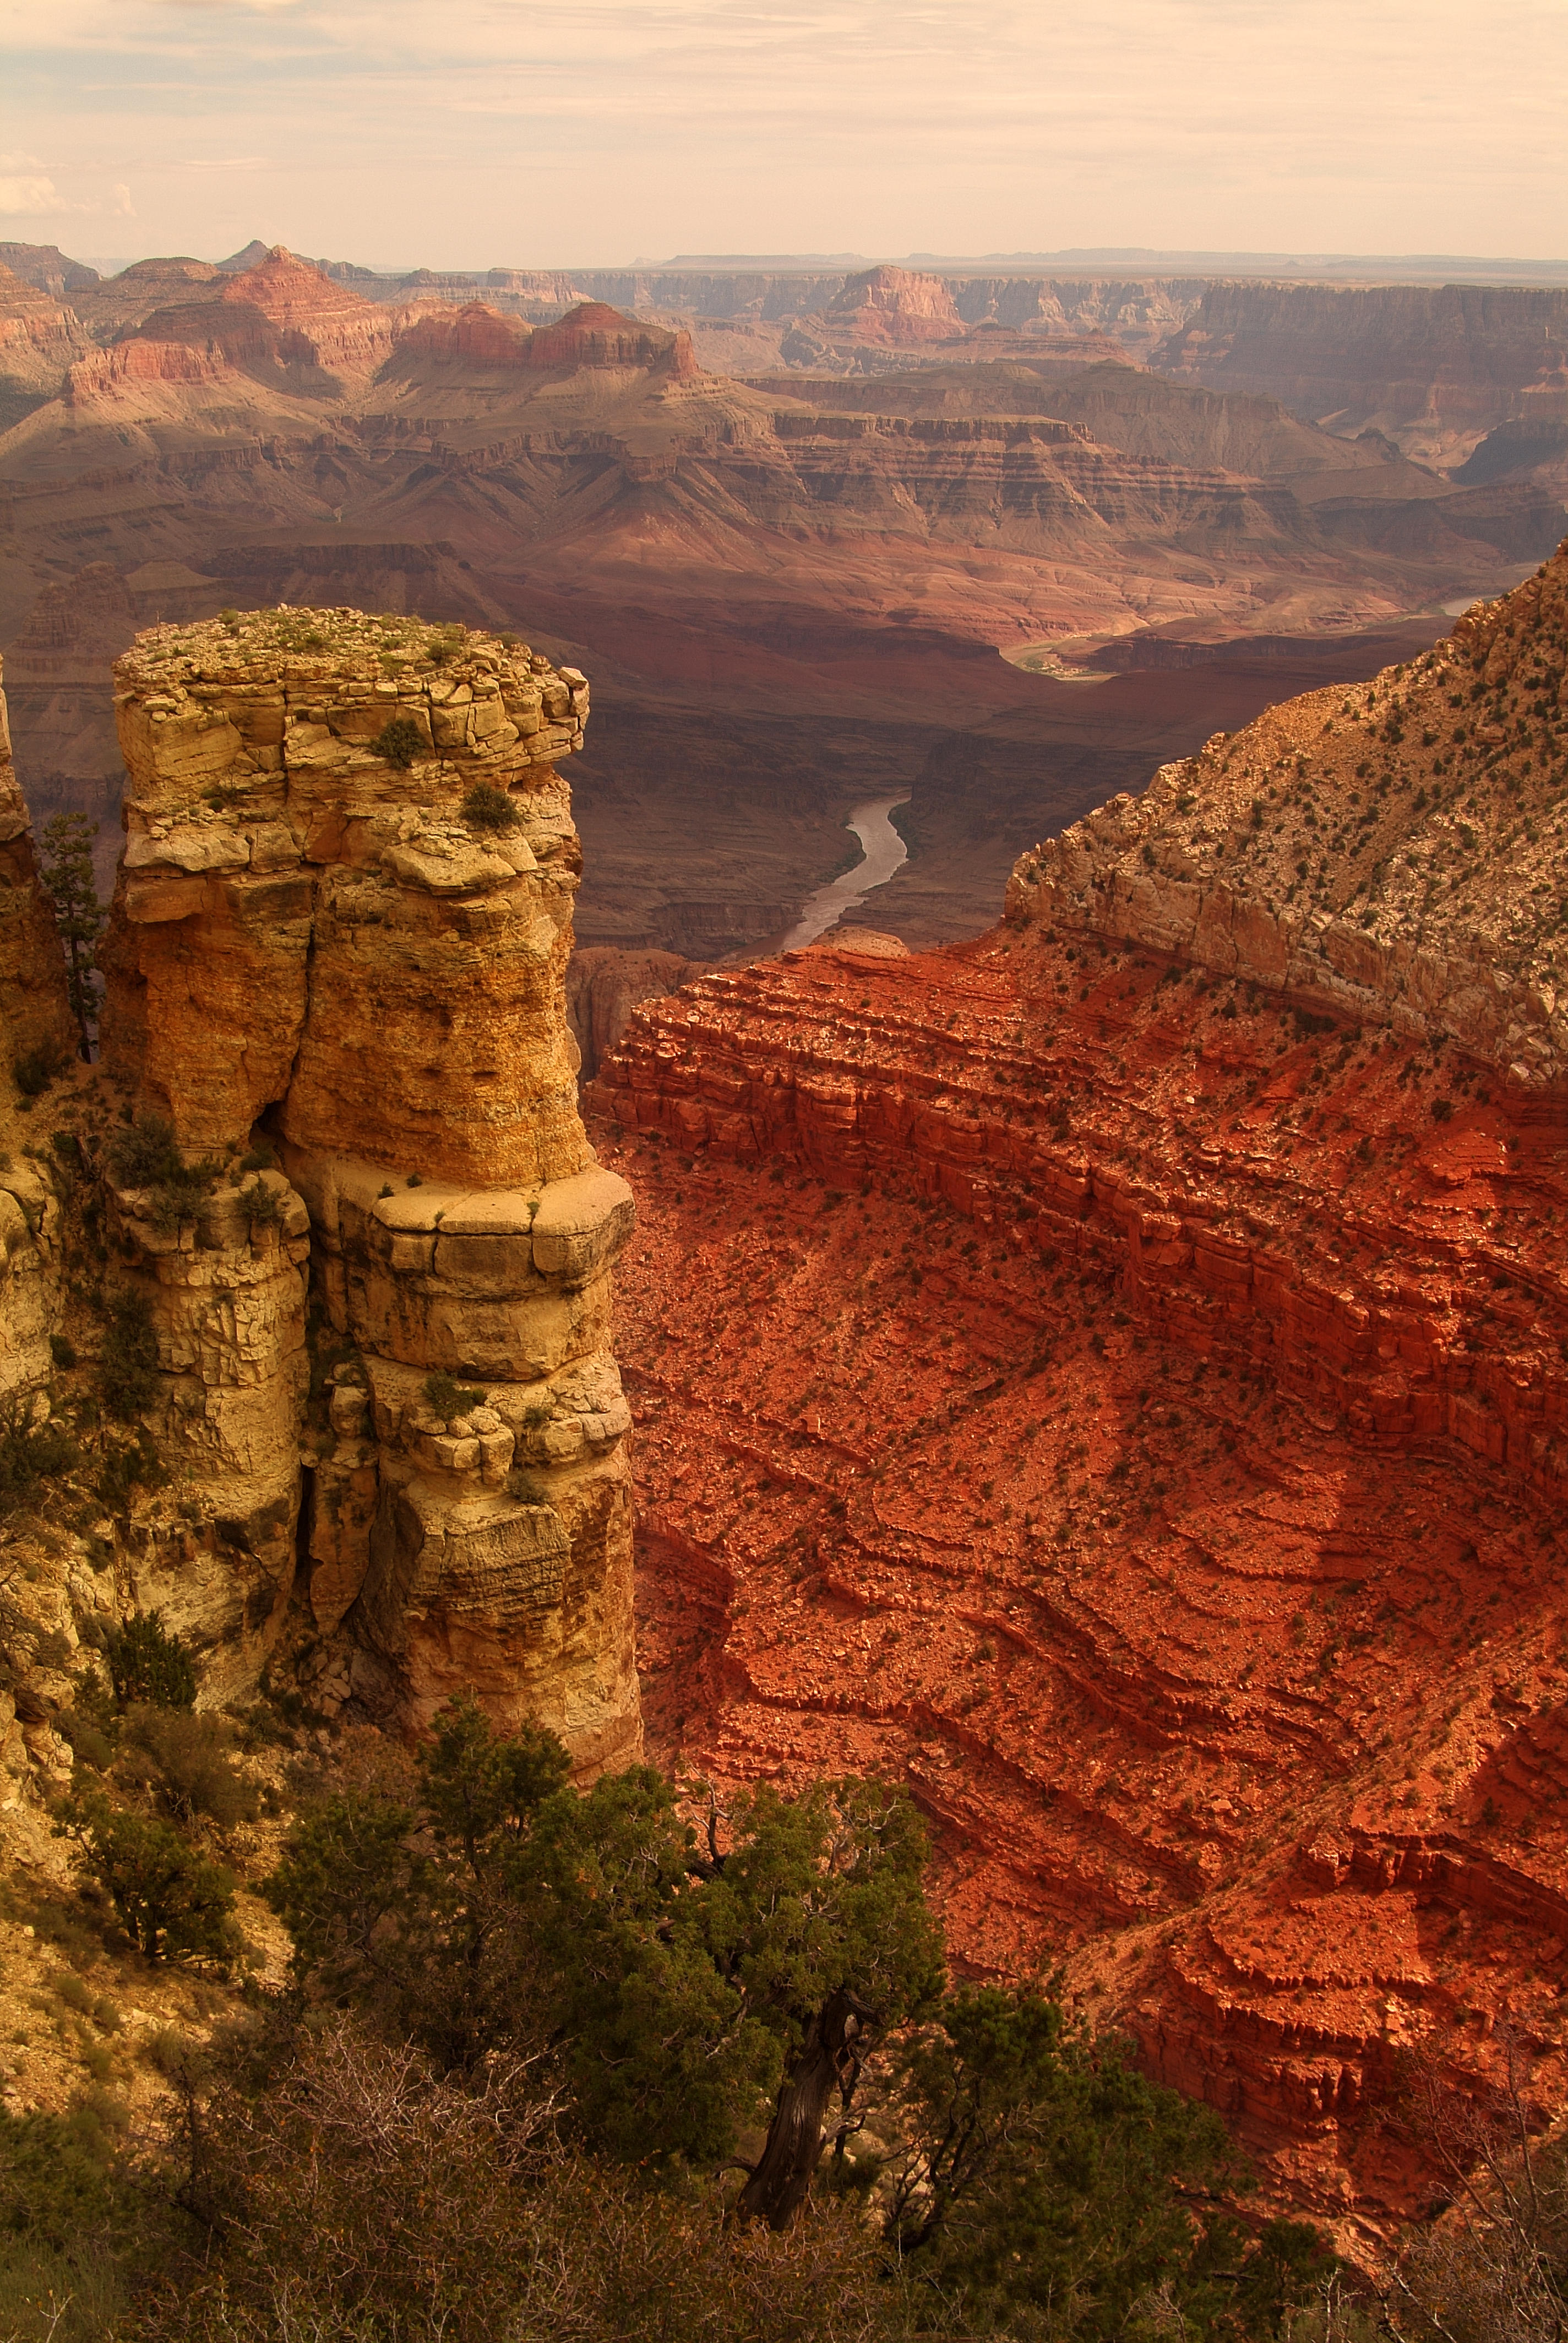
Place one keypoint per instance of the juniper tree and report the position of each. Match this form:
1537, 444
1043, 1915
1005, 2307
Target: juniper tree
696, 1986
66, 873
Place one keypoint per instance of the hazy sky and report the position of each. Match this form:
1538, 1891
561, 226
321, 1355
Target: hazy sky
467, 133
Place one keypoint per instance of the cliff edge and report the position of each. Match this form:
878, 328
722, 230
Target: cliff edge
1398, 851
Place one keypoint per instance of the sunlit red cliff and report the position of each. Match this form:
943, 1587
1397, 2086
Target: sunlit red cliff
1110, 1376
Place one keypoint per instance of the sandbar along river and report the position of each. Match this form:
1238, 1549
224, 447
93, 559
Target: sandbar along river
884, 851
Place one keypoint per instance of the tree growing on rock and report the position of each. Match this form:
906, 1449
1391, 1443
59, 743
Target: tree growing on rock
66, 873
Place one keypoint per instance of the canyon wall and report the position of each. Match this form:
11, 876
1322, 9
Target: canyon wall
39, 1034
1435, 366
34, 1015
794, 589
1122, 1395
1396, 851
338, 942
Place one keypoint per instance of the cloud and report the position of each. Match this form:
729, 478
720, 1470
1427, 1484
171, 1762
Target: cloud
587, 129
32, 198
27, 192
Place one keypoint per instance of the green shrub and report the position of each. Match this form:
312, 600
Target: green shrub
145, 1152
488, 807
171, 2051
30, 1455
445, 1397
398, 742
172, 1902
176, 1200
133, 1463
35, 1069
127, 1366
144, 1155
148, 1665
259, 1159
263, 1206
185, 1761
87, 1741
55, 2182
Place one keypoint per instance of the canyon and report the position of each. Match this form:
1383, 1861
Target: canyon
1105, 1372
1108, 1374
797, 585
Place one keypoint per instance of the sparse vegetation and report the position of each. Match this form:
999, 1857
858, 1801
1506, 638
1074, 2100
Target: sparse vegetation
149, 1665
398, 742
34, 1070
172, 1902
447, 1398
488, 807
127, 1366
184, 1761
263, 1206
66, 874
32, 1454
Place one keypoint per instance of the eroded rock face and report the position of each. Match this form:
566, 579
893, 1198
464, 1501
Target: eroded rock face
340, 930
223, 1295
1111, 1374
1397, 851
1138, 1423
604, 986
36, 1030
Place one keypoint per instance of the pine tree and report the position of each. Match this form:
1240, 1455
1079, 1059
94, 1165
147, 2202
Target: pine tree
67, 878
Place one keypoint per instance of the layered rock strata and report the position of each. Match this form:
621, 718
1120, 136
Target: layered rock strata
1397, 851
341, 933
1141, 1429
1127, 1404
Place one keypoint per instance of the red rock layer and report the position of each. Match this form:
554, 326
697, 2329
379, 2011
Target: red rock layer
1135, 1420
282, 310
894, 306
594, 334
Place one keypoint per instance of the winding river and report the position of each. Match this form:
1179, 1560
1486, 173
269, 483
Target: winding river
883, 852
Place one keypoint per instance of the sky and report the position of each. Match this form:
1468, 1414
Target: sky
469, 134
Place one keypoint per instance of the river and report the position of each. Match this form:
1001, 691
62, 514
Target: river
883, 852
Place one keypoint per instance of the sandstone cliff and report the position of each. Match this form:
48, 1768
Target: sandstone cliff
341, 933
1123, 1396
